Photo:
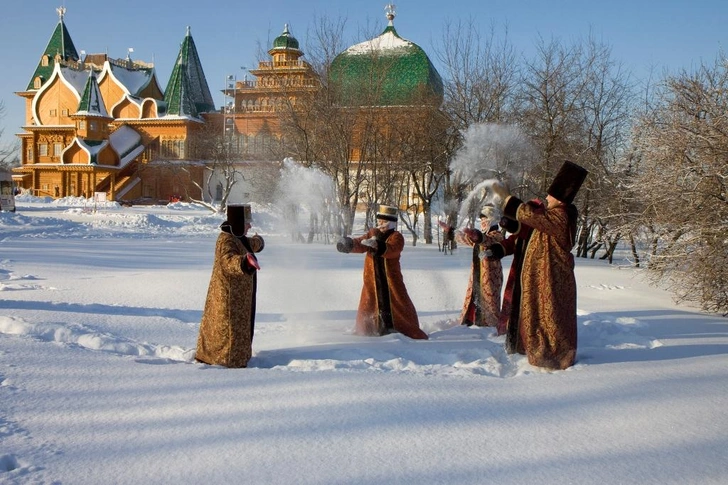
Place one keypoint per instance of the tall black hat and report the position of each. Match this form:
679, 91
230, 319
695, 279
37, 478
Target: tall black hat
567, 182
387, 213
237, 216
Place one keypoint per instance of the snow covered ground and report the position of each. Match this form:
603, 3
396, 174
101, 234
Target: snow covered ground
99, 313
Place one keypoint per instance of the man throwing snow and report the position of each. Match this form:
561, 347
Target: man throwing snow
384, 305
547, 317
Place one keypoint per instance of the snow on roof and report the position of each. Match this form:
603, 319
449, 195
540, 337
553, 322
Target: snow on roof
181, 117
75, 79
125, 139
127, 142
389, 40
131, 155
134, 80
91, 114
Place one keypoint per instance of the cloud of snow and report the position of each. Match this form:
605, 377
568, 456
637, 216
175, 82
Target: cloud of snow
302, 193
491, 152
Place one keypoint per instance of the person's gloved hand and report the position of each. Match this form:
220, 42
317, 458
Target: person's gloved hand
485, 253
509, 225
371, 242
252, 261
473, 234
345, 245
496, 252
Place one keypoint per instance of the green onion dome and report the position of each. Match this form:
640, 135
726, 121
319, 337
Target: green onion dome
285, 41
386, 71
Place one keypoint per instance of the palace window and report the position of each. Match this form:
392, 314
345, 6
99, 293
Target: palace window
82, 125
57, 149
173, 149
54, 112
42, 150
29, 154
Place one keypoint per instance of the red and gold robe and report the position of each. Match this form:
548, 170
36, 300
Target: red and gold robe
226, 330
547, 325
384, 304
482, 298
508, 321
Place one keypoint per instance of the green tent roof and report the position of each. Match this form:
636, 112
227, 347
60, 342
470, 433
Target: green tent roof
60, 43
91, 102
187, 91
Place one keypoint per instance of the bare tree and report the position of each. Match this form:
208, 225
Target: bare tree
342, 130
8, 151
319, 134
481, 74
606, 106
423, 154
550, 108
682, 179
220, 164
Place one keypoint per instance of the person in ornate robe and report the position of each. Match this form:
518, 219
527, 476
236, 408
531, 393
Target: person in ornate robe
483, 295
514, 245
547, 316
384, 306
228, 321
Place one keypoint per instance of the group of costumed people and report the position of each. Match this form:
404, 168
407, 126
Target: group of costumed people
537, 313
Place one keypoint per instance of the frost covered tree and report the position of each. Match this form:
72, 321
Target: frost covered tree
682, 179
575, 103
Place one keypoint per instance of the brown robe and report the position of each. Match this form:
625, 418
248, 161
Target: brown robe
548, 287
384, 304
226, 330
482, 298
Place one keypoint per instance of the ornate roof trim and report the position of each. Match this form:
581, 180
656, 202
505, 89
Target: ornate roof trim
57, 73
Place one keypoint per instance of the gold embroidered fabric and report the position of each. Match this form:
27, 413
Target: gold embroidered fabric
226, 329
548, 327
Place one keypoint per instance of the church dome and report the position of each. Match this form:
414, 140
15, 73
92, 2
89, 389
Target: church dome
386, 71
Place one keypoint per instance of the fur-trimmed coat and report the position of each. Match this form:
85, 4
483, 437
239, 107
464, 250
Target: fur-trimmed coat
547, 324
226, 330
482, 297
384, 304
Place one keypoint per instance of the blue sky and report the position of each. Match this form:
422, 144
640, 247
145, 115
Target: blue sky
646, 35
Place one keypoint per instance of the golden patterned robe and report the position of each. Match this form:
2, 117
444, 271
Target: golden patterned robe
482, 298
384, 304
547, 326
226, 330
511, 303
